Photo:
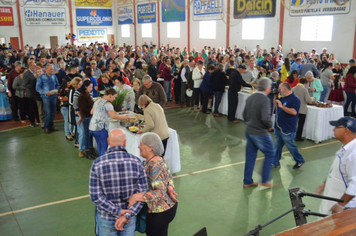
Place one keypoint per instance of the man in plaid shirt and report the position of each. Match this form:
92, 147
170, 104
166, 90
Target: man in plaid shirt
114, 178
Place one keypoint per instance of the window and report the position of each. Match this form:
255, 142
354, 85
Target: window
253, 29
207, 29
146, 30
317, 28
173, 30
125, 31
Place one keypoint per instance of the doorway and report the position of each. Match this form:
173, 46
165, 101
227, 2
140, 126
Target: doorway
111, 39
15, 42
53, 41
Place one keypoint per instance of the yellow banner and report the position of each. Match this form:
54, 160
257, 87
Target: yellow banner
93, 3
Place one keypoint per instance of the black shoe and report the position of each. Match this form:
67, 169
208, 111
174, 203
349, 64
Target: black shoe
89, 156
299, 139
93, 152
69, 139
298, 165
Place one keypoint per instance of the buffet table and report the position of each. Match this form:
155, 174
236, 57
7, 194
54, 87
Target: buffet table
172, 154
223, 107
317, 127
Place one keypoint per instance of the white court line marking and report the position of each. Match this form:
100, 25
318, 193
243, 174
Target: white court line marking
174, 177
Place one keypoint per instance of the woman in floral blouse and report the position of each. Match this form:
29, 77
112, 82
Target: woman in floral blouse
161, 207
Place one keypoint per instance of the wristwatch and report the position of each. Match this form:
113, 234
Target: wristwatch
127, 216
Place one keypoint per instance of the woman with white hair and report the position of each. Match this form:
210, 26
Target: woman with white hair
161, 207
155, 119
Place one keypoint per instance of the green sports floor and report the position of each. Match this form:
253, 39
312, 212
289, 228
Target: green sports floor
44, 184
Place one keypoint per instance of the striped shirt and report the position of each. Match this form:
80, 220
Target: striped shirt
114, 178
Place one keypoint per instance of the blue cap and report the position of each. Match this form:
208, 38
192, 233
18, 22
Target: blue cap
347, 122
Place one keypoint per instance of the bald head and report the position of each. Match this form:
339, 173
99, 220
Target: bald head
117, 137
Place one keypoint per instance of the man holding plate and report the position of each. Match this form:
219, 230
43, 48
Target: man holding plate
47, 85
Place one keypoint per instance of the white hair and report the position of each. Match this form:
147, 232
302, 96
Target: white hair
153, 140
264, 83
309, 73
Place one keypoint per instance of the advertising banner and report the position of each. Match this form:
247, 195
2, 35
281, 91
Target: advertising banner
45, 16
46, 2
92, 35
6, 16
146, 13
125, 15
211, 10
254, 9
94, 17
93, 3
320, 7
173, 10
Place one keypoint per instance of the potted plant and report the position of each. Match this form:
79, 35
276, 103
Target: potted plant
120, 98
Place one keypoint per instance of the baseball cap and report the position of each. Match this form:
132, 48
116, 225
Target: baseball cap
352, 61
347, 122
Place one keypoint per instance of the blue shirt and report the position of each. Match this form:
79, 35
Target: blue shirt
114, 178
308, 66
294, 66
95, 83
46, 83
285, 122
206, 86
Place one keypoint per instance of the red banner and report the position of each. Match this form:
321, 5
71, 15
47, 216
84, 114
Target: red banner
6, 16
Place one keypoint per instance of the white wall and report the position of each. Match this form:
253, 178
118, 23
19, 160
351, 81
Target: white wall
271, 33
13, 30
341, 44
33, 35
342, 38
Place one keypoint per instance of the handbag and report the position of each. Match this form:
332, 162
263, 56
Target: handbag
141, 220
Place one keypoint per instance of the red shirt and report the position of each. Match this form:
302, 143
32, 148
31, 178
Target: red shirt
350, 83
198, 58
11, 78
127, 81
295, 82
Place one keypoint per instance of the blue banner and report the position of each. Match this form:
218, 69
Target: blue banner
208, 10
125, 15
146, 13
173, 10
94, 17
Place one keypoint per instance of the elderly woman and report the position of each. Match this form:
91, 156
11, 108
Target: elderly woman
155, 119
161, 207
19, 85
102, 112
313, 85
304, 98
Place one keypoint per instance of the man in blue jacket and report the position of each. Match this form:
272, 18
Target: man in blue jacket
44, 85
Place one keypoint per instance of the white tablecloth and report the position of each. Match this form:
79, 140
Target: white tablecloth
172, 154
223, 107
317, 127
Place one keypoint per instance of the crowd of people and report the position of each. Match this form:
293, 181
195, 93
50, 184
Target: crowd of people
85, 82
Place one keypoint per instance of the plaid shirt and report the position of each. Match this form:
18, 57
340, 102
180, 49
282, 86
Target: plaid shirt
114, 178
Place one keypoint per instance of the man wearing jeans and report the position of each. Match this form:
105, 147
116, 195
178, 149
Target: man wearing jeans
258, 122
114, 178
285, 127
44, 84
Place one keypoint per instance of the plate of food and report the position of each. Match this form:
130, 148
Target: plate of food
133, 129
114, 120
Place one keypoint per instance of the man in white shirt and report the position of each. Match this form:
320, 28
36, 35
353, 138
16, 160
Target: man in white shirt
341, 181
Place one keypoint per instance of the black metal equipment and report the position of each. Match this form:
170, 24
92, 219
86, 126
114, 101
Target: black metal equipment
298, 208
